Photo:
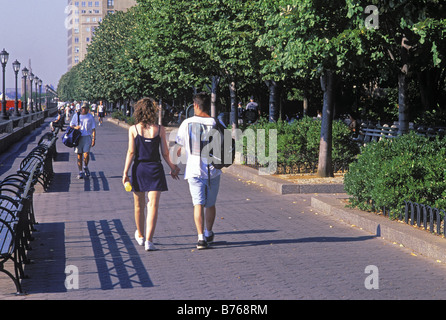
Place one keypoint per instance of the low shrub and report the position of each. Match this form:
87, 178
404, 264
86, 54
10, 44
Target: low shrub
119, 116
298, 142
388, 172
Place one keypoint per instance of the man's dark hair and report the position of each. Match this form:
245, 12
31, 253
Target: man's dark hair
203, 100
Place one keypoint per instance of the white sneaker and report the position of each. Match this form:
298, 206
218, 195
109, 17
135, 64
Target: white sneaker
138, 239
149, 246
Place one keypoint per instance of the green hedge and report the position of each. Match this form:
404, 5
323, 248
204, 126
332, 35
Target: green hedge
119, 116
298, 142
388, 172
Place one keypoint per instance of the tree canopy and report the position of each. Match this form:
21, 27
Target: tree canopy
380, 59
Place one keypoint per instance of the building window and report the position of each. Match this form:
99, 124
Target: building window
90, 3
84, 4
96, 3
76, 3
76, 40
76, 49
87, 39
76, 59
110, 3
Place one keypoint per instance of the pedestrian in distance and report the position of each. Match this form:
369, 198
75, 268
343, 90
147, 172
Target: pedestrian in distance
84, 122
202, 177
146, 138
93, 108
241, 113
101, 112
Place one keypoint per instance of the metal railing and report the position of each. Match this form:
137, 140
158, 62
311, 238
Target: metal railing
417, 214
10, 125
424, 215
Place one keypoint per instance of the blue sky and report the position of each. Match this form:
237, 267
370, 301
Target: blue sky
34, 29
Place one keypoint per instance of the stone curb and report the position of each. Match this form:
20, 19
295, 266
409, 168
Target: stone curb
419, 241
279, 185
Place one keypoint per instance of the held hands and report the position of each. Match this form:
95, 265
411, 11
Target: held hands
174, 172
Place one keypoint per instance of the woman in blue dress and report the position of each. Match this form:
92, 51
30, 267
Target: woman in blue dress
146, 139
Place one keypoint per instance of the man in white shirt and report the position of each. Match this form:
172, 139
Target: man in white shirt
203, 178
87, 140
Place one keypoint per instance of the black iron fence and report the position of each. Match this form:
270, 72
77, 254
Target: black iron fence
432, 219
421, 215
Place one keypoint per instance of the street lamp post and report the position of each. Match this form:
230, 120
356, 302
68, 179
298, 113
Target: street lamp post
40, 94
25, 77
36, 80
31, 105
16, 68
4, 59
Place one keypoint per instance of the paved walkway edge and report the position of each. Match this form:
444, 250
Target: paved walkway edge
419, 241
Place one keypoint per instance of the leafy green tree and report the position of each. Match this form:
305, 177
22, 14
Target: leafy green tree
166, 45
111, 69
311, 39
71, 86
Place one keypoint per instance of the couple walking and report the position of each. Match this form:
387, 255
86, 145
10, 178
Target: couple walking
146, 139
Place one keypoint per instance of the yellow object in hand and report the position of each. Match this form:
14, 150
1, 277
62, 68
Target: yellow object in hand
128, 186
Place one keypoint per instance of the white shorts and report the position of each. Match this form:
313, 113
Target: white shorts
203, 193
84, 144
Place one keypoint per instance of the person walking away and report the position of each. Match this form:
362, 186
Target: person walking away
252, 111
145, 140
202, 177
67, 112
93, 108
101, 112
241, 113
87, 126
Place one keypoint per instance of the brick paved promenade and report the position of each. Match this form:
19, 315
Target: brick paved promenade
267, 246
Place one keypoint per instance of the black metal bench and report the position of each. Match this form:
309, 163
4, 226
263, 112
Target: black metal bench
48, 141
17, 217
13, 189
15, 192
7, 251
40, 157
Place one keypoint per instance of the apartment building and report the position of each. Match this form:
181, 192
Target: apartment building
83, 17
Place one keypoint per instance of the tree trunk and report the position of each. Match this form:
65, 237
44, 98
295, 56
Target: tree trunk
305, 104
272, 87
403, 99
214, 88
234, 111
403, 108
325, 167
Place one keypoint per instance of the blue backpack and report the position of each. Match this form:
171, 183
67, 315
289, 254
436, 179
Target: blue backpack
72, 136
